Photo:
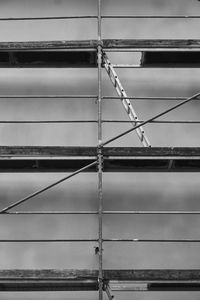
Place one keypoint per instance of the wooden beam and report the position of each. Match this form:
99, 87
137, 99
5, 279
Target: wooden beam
61, 151
48, 280
116, 159
185, 44
39, 45
153, 275
87, 280
151, 43
46, 151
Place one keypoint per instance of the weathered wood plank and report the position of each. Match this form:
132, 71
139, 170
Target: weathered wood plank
116, 159
37, 45
57, 151
48, 274
107, 44
152, 152
153, 275
87, 280
151, 43
48, 280
115, 274
47, 151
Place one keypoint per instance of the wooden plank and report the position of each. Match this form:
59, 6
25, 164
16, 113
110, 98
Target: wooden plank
48, 280
186, 44
153, 275
57, 151
151, 43
48, 274
48, 59
38, 45
152, 152
116, 159
46, 151
68, 280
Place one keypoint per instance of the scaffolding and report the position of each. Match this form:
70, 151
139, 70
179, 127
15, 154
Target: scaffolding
100, 159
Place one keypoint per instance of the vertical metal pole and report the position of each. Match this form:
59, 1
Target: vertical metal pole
100, 160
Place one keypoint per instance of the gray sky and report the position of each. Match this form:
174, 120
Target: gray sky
121, 191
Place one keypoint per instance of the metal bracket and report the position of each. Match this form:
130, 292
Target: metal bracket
124, 99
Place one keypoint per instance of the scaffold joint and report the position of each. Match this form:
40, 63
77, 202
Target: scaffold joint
99, 43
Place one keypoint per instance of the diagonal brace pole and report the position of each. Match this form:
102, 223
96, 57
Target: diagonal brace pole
109, 292
125, 100
47, 188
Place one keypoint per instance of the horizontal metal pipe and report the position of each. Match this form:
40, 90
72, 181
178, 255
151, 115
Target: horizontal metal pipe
51, 213
158, 122
134, 212
144, 98
96, 240
105, 213
48, 96
46, 240
150, 17
153, 240
47, 18
95, 121
47, 121
132, 66
139, 49
86, 97
103, 17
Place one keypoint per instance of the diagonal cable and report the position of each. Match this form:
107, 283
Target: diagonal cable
152, 119
47, 187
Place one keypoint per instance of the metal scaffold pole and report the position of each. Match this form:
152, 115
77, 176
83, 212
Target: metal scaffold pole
99, 158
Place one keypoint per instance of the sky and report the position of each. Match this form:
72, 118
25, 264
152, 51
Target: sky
120, 191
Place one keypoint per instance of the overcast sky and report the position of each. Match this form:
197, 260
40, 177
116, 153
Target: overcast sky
121, 191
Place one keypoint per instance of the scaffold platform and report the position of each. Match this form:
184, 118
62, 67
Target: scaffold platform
116, 159
87, 280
